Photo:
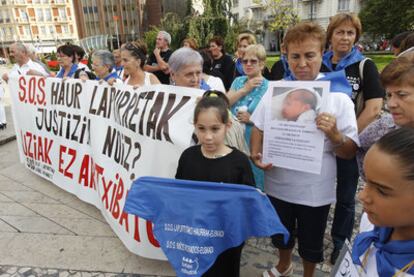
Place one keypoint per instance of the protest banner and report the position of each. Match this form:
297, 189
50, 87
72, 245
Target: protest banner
291, 138
93, 140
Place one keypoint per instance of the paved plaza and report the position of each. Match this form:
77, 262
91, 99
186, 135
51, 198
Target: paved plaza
46, 231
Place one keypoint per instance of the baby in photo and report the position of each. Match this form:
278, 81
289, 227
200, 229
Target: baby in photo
300, 105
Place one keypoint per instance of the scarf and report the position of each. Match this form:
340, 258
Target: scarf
204, 85
338, 80
390, 255
71, 72
352, 57
109, 76
285, 66
239, 67
196, 221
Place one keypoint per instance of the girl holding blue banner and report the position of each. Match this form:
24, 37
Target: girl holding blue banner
212, 160
388, 200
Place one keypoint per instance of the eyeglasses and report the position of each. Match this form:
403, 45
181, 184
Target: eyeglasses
251, 61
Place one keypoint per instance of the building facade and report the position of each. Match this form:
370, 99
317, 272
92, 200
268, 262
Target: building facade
113, 21
257, 17
44, 23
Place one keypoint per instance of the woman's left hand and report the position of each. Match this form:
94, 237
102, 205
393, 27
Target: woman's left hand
243, 117
326, 122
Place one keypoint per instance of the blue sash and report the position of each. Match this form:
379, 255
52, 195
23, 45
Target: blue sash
390, 255
118, 70
204, 85
352, 57
239, 67
339, 82
71, 72
196, 221
109, 76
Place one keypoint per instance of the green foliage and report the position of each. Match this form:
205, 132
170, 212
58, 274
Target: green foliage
214, 21
283, 15
387, 18
150, 37
176, 27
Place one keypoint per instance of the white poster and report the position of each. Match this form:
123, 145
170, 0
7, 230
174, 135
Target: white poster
291, 139
93, 140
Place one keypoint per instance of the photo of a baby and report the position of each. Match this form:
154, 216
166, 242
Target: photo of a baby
298, 105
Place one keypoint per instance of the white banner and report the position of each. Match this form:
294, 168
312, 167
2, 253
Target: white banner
93, 140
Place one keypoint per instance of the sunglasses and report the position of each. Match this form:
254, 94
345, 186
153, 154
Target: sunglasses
251, 61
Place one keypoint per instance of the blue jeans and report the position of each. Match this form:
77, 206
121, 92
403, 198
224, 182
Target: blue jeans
344, 217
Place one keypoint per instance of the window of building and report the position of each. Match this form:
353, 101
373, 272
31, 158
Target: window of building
62, 13
313, 9
27, 30
51, 29
235, 3
24, 15
343, 5
45, 1
43, 30
48, 15
39, 14
65, 29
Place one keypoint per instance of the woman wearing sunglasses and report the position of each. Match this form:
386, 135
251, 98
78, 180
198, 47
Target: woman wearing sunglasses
246, 91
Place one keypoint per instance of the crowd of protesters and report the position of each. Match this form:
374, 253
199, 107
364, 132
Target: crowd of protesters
368, 130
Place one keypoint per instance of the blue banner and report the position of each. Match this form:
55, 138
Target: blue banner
196, 221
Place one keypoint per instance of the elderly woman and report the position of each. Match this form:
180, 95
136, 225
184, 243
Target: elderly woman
343, 33
133, 55
302, 200
103, 63
186, 70
398, 80
66, 59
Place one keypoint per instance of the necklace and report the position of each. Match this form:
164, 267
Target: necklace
214, 155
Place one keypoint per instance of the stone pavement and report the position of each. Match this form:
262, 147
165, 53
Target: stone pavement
45, 231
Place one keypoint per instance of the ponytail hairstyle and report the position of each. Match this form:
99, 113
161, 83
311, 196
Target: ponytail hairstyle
213, 99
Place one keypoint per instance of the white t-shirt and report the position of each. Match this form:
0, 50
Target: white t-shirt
216, 83
22, 70
306, 188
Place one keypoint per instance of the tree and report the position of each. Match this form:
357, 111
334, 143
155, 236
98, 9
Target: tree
387, 18
282, 15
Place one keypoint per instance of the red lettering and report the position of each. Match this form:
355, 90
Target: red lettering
22, 91
32, 90
84, 172
136, 229
41, 96
118, 196
106, 190
150, 234
122, 219
72, 153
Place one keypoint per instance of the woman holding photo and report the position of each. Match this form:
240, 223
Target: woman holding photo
302, 200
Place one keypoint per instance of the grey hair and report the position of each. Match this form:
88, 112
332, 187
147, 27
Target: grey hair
166, 36
106, 58
21, 47
30, 48
183, 57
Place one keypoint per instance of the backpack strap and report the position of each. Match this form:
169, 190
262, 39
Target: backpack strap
361, 69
